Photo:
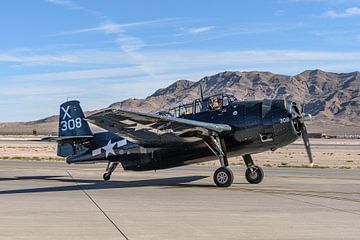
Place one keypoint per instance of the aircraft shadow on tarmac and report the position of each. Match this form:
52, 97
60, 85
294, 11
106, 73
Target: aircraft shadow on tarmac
83, 184
163, 183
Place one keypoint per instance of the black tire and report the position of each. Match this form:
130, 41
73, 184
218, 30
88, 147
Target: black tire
223, 177
106, 176
255, 176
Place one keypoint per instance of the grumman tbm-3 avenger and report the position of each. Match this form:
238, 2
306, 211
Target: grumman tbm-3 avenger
218, 126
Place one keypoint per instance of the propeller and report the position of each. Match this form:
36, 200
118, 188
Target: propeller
305, 138
300, 118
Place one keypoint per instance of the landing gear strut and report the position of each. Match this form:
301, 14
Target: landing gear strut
254, 174
223, 176
109, 170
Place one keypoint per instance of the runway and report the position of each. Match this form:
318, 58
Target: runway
52, 200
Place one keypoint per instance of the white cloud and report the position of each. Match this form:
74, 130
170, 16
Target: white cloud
66, 3
34, 90
200, 29
31, 57
112, 27
155, 64
37, 59
349, 12
129, 43
340, 67
189, 60
77, 75
74, 6
104, 27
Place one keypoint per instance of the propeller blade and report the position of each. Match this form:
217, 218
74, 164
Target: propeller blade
307, 143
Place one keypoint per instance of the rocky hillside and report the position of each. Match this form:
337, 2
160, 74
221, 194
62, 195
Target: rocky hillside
332, 98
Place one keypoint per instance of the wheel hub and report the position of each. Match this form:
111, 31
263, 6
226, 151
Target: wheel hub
222, 177
253, 174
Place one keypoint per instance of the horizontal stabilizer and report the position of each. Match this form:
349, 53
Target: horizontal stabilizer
66, 138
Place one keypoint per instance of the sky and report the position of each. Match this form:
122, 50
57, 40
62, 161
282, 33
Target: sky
100, 52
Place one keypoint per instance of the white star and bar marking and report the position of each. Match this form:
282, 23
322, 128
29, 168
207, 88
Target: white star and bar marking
109, 148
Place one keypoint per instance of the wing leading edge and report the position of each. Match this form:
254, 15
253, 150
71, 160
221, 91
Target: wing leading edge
152, 130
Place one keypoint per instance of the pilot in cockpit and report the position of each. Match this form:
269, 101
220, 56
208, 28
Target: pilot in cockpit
215, 103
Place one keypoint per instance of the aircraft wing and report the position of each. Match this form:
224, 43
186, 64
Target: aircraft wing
152, 130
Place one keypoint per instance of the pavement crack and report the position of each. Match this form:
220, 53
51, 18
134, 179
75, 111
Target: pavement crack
101, 210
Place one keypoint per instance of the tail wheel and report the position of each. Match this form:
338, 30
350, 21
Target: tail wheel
107, 176
254, 175
223, 177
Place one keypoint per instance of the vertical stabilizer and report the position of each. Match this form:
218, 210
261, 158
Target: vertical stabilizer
73, 129
72, 121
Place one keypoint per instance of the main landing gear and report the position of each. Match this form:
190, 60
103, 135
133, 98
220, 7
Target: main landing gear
109, 170
223, 176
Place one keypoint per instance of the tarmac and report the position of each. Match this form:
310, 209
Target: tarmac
52, 200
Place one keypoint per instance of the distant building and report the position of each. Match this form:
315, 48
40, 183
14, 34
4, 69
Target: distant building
321, 135
345, 136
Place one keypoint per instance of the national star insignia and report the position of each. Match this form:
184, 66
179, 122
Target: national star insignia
109, 148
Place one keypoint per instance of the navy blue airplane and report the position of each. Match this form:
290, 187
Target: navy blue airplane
218, 126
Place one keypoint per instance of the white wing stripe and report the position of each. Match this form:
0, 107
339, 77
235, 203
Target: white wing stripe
121, 143
96, 152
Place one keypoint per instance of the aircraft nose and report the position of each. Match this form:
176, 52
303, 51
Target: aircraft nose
296, 116
298, 112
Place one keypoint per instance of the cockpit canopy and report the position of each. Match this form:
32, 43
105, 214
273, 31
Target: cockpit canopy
211, 103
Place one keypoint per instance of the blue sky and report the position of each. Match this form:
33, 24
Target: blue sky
105, 51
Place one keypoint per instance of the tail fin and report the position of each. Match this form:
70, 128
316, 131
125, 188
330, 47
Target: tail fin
72, 128
72, 121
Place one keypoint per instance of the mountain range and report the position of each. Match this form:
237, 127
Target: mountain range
333, 99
